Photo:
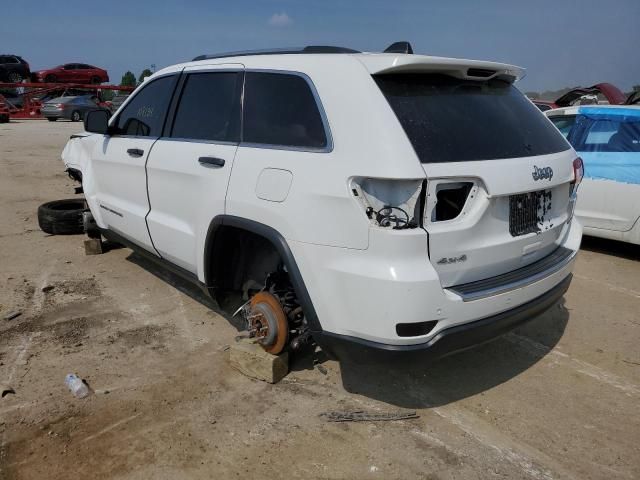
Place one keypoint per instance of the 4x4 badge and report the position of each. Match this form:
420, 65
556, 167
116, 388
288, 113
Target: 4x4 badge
542, 173
450, 260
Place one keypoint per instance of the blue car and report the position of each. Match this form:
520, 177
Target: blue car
607, 138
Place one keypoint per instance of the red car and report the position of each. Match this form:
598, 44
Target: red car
607, 91
72, 73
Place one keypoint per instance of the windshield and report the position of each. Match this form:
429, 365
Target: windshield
453, 120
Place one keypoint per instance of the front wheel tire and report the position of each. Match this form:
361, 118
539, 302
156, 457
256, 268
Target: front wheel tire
75, 116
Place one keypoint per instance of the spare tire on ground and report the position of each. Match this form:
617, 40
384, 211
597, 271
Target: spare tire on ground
62, 217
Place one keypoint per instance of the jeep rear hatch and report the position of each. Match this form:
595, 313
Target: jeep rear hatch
498, 172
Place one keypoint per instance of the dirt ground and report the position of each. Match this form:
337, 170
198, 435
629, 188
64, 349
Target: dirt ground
559, 398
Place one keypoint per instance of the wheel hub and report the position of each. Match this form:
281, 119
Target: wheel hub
268, 322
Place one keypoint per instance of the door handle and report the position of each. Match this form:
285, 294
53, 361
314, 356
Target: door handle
135, 152
211, 162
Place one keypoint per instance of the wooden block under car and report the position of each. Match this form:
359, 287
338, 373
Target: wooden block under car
93, 246
250, 359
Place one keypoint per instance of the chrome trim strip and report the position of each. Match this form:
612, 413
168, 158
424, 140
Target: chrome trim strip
471, 295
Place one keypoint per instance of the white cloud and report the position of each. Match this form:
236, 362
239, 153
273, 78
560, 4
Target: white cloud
280, 20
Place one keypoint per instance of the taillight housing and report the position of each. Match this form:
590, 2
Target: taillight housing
578, 174
390, 202
60, 106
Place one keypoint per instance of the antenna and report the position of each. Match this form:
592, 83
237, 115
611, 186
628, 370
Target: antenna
399, 47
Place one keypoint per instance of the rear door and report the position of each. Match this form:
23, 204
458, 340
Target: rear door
119, 160
608, 140
189, 168
498, 172
67, 73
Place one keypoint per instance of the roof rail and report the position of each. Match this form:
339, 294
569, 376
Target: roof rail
279, 51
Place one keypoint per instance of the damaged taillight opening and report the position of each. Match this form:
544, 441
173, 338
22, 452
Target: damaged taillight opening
391, 203
451, 199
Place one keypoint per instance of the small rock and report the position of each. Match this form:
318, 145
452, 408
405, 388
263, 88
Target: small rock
48, 288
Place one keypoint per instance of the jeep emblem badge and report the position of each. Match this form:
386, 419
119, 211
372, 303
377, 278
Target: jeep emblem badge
542, 173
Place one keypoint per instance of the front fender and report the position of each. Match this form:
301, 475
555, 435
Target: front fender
77, 155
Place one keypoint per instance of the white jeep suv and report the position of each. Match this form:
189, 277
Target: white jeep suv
382, 205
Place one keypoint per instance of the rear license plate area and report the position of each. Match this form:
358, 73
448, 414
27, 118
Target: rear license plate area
527, 212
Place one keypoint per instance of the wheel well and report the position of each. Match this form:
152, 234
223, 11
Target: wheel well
74, 174
240, 253
241, 260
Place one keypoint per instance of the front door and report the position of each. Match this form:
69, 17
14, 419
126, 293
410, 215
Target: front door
119, 161
189, 168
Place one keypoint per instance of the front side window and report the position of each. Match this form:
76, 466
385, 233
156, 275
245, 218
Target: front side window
454, 120
144, 115
209, 108
281, 110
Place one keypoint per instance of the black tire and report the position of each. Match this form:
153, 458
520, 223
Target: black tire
52, 119
14, 77
50, 79
75, 116
62, 217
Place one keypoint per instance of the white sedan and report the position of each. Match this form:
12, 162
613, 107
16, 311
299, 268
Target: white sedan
607, 137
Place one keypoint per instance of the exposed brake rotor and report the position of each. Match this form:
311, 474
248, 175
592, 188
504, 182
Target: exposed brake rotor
268, 322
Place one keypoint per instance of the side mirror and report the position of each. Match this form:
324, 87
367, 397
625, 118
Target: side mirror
97, 121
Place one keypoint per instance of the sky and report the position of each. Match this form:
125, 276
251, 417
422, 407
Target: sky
560, 42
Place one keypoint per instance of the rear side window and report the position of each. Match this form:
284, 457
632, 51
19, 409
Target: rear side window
144, 114
281, 110
609, 135
453, 120
209, 108
564, 124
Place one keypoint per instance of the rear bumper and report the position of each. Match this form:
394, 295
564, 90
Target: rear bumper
388, 294
446, 341
53, 114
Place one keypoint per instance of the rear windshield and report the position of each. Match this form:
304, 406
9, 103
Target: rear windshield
453, 120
